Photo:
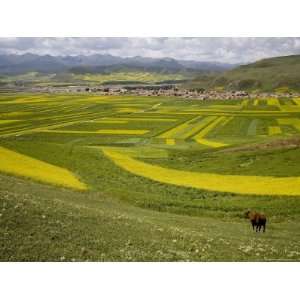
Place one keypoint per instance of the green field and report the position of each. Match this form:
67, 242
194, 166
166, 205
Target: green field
128, 178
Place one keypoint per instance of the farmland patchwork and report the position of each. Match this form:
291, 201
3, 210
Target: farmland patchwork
138, 123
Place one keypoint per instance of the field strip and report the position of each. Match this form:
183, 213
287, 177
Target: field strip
245, 103
44, 128
125, 105
15, 114
122, 131
273, 102
297, 101
26, 101
170, 142
153, 107
128, 110
291, 121
8, 121
203, 112
18, 164
101, 131
200, 125
290, 108
227, 120
210, 143
175, 131
223, 107
252, 185
252, 127
274, 130
199, 137
270, 113
170, 113
108, 122
142, 119
256, 102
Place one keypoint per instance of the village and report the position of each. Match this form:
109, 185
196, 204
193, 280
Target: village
166, 90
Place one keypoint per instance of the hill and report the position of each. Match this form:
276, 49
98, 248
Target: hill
272, 74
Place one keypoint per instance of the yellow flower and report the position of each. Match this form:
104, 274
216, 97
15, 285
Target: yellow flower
255, 185
22, 165
273, 130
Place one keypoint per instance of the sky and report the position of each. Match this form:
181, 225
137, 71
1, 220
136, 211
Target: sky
226, 50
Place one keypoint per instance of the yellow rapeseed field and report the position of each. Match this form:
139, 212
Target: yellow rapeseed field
19, 101
273, 130
273, 101
15, 163
173, 132
109, 122
210, 143
197, 126
15, 114
143, 119
170, 142
199, 137
256, 102
297, 101
2, 122
290, 121
101, 131
244, 103
223, 108
187, 129
253, 185
122, 131
227, 120
128, 110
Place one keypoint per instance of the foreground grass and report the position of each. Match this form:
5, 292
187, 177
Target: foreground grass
44, 223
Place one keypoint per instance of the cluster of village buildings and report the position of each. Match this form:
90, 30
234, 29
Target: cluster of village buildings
158, 90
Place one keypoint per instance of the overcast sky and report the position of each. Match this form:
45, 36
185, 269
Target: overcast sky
229, 50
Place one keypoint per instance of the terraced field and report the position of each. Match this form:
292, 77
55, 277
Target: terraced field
159, 162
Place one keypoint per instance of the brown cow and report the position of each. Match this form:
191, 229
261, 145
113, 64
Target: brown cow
257, 220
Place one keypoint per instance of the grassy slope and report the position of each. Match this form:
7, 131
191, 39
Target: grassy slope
266, 75
41, 223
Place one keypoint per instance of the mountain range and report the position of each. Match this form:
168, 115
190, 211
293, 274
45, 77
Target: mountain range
12, 64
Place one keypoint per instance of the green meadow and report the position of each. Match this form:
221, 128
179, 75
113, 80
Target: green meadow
129, 178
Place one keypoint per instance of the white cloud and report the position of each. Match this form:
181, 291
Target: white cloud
231, 50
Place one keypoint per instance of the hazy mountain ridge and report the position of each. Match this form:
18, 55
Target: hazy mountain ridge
18, 64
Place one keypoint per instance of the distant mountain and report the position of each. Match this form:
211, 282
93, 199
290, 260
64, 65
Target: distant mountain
98, 63
277, 73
